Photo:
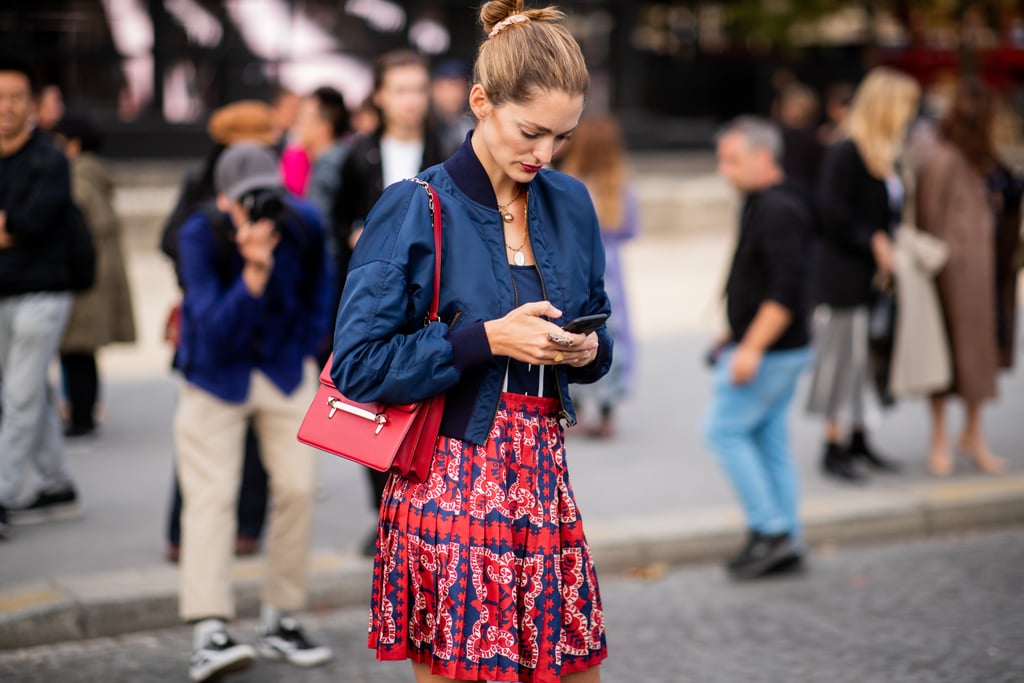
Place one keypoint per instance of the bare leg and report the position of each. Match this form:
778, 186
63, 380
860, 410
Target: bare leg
423, 675
592, 675
972, 442
833, 432
940, 459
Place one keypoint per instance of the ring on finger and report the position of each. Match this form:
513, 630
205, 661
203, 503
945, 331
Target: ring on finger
559, 357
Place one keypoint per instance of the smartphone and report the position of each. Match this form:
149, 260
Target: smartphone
585, 324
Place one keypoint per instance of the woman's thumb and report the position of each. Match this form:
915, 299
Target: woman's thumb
541, 308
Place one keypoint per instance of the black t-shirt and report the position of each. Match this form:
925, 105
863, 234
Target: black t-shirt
771, 263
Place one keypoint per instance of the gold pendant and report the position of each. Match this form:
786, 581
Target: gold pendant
507, 215
519, 258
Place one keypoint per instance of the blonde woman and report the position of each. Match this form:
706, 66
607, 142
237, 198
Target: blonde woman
860, 200
482, 572
597, 156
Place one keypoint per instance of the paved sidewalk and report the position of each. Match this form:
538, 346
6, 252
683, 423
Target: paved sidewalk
654, 494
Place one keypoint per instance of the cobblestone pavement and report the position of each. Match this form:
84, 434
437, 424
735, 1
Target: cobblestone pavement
948, 609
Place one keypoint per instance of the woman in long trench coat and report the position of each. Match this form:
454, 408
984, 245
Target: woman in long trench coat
955, 203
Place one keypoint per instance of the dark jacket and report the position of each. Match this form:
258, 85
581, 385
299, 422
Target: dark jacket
35, 193
362, 183
852, 206
226, 332
770, 263
383, 352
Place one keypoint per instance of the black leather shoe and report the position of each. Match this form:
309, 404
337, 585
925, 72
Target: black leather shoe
860, 451
838, 463
743, 555
793, 565
764, 554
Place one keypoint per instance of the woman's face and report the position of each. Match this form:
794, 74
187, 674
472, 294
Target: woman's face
518, 139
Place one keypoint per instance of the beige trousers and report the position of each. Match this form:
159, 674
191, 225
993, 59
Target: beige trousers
209, 437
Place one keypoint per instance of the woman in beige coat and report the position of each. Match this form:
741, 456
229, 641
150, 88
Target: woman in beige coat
103, 314
955, 205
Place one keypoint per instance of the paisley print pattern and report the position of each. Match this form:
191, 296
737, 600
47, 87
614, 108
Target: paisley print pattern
483, 571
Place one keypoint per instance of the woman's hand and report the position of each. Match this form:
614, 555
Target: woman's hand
583, 352
523, 334
881, 249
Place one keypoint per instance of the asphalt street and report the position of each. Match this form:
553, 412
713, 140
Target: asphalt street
948, 609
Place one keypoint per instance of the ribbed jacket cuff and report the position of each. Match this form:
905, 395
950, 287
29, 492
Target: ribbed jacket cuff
469, 346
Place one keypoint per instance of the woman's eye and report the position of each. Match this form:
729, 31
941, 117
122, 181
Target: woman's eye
530, 136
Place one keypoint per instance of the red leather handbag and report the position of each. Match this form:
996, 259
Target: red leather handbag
399, 438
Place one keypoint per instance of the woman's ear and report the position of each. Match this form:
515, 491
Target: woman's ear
479, 103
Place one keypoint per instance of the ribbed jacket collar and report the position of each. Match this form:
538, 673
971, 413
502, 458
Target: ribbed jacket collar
469, 175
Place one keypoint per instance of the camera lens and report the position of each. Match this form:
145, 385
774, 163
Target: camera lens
263, 204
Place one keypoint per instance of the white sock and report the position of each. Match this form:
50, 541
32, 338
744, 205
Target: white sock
204, 629
269, 618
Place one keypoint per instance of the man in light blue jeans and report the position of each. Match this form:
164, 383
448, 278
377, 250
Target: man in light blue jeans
765, 351
35, 299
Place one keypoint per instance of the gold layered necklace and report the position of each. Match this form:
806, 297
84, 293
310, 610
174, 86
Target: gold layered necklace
518, 257
506, 215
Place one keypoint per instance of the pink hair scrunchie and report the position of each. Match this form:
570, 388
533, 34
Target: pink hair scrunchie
506, 22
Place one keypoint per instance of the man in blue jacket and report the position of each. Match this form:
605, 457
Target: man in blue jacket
35, 299
254, 279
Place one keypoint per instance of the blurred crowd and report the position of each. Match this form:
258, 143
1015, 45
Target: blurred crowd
880, 248
879, 244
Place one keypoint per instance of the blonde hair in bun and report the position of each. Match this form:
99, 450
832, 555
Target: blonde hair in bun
526, 57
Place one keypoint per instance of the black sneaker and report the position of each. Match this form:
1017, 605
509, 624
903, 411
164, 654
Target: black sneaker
219, 655
288, 642
762, 555
3, 523
47, 507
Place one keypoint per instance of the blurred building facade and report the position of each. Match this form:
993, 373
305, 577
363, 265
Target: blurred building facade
152, 70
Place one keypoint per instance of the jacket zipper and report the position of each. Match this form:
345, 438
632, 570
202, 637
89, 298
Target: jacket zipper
515, 304
566, 418
563, 414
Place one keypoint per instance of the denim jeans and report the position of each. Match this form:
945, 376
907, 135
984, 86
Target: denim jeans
31, 327
748, 432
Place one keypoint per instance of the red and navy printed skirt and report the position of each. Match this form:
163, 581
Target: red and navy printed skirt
482, 572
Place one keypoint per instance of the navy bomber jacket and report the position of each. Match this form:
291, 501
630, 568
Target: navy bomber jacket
383, 351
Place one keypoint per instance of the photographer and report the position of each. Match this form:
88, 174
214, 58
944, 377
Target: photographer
253, 315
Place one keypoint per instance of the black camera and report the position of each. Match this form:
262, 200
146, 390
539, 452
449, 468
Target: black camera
264, 203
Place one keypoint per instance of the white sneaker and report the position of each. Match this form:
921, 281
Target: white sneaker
288, 642
219, 655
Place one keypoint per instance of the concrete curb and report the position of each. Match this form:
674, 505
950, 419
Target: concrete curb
113, 603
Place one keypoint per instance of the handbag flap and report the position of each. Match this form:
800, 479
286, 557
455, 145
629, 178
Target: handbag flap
368, 433
374, 406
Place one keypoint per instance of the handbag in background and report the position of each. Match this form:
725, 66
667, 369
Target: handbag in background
384, 437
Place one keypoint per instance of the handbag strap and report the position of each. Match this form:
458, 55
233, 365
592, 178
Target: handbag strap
435, 215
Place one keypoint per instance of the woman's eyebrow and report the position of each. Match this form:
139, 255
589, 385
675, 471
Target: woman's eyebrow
544, 129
